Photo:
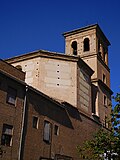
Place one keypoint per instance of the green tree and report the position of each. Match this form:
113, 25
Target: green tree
105, 143
115, 119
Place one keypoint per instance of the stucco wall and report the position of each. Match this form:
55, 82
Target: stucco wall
54, 77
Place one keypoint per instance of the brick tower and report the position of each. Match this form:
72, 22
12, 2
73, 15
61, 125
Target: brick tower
91, 45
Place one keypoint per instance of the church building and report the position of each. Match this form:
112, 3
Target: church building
67, 97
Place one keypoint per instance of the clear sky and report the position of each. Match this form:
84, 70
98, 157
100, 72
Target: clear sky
28, 25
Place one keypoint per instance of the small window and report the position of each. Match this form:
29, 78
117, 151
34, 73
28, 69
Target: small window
104, 78
106, 122
86, 44
98, 45
11, 95
47, 131
105, 100
19, 67
74, 47
7, 134
104, 54
56, 130
99, 49
35, 122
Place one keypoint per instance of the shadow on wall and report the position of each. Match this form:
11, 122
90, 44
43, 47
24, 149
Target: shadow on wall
61, 113
72, 111
94, 97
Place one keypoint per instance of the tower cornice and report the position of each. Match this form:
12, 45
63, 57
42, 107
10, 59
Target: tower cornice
87, 28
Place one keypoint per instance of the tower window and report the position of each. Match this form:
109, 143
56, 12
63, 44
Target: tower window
86, 44
98, 45
99, 50
106, 122
105, 100
104, 78
74, 47
104, 54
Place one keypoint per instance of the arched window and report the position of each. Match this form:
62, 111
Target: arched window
19, 67
74, 47
86, 44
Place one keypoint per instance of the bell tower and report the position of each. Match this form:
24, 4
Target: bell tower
91, 45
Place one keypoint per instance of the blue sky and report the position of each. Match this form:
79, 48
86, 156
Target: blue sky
28, 25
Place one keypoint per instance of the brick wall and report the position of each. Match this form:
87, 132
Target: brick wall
74, 128
9, 69
11, 115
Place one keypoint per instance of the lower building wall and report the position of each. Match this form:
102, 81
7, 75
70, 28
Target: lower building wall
74, 128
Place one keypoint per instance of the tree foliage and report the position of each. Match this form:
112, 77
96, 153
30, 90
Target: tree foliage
105, 143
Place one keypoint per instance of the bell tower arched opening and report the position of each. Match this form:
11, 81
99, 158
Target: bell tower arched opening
74, 47
86, 44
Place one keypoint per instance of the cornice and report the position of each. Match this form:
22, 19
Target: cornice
87, 28
98, 57
105, 86
53, 55
100, 82
103, 63
42, 53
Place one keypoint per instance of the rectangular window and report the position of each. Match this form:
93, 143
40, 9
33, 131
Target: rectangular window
106, 122
11, 95
56, 130
35, 122
104, 55
47, 131
105, 100
104, 78
7, 134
